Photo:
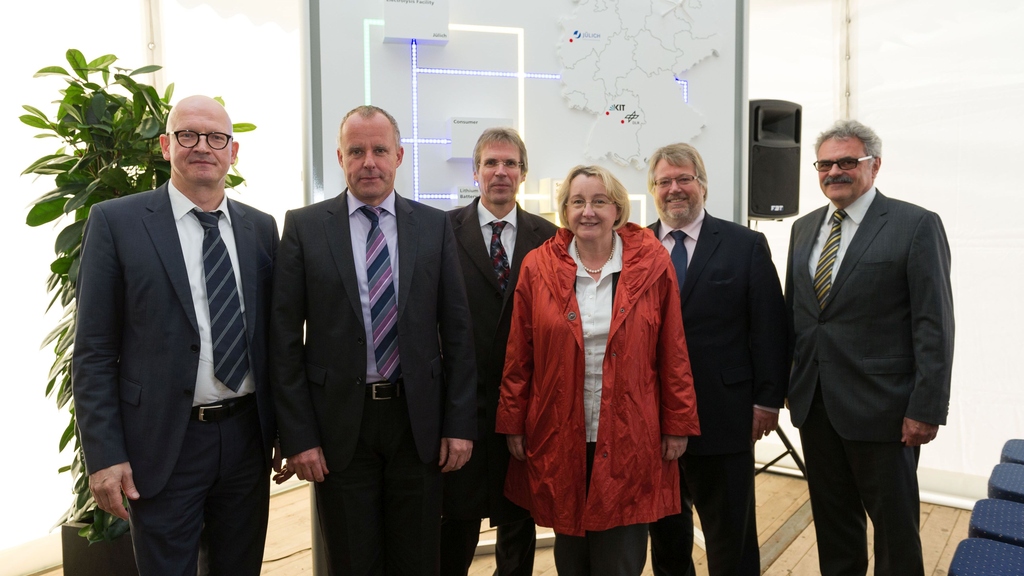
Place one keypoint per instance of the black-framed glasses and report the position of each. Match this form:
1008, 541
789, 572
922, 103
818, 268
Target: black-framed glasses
681, 180
190, 139
844, 163
493, 163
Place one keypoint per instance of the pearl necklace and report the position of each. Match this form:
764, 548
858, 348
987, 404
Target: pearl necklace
598, 271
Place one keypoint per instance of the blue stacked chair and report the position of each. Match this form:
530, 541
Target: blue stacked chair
981, 557
1013, 452
999, 520
1007, 482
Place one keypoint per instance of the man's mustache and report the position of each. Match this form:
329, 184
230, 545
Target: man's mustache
840, 179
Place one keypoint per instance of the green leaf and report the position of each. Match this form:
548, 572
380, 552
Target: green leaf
34, 121
243, 127
149, 128
35, 111
60, 265
78, 63
66, 437
116, 178
48, 160
69, 237
102, 62
45, 212
168, 92
145, 70
50, 71
233, 181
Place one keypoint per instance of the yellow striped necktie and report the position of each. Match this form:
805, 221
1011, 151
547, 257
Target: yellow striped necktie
823, 273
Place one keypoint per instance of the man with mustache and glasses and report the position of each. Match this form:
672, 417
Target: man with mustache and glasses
734, 317
868, 290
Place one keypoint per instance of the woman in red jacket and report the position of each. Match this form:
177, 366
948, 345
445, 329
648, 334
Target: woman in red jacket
597, 397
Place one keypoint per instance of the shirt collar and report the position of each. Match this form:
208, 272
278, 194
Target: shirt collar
355, 204
692, 229
614, 265
181, 205
486, 217
858, 208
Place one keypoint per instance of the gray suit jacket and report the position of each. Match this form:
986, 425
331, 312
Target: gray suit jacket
318, 344
137, 341
882, 347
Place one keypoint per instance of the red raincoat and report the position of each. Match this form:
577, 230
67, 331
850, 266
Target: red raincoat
647, 391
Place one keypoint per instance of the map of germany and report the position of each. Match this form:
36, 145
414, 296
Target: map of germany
604, 50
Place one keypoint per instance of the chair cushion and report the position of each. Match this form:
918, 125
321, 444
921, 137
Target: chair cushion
1013, 452
1007, 482
980, 557
1000, 520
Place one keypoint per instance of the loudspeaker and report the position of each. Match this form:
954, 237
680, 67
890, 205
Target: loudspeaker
773, 176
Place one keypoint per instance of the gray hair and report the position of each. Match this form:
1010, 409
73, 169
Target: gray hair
678, 155
500, 135
846, 129
366, 112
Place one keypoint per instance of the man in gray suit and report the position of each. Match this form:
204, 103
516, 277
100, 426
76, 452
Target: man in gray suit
871, 308
494, 235
372, 358
170, 364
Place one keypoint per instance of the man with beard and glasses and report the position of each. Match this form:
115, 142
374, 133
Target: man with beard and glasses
871, 306
734, 317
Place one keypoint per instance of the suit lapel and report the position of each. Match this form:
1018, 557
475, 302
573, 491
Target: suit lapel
468, 235
339, 239
407, 247
707, 243
527, 238
874, 220
245, 248
163, 232
806, 233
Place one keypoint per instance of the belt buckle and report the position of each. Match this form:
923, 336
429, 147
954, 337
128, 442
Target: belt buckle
203, 409
373, 391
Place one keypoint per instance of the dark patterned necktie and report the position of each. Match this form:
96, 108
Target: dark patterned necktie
829, 252
679, 256
499, 260
383, 300
227, 327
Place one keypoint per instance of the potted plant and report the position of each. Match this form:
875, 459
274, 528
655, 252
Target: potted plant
108, 124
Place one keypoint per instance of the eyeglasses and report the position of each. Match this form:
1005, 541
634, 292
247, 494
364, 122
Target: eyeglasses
493, 163
844, 163
595, 204
190, 139
683, 180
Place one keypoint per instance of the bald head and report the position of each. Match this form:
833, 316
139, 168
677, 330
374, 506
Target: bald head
198, 104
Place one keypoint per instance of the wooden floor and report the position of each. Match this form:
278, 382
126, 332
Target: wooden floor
783, 516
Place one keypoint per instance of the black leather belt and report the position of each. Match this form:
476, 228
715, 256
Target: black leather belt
385, 390
223, 410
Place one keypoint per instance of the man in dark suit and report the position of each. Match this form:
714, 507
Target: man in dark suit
734, 316
372, 359
872, 316
170, 377
494, 235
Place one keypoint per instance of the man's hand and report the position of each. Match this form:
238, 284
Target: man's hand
281, 473
517, 446
107, 484
455, 452
309, 465
672, 447
917, 433
765, 422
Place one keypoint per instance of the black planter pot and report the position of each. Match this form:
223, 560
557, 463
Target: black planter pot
115, 558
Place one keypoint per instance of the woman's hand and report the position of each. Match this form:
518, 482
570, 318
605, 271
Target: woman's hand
672, 447
517, 445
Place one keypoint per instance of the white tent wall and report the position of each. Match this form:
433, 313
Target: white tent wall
942, 83
249, 53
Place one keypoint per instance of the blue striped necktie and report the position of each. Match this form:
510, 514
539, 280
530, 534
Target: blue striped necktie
227, 327
383, 300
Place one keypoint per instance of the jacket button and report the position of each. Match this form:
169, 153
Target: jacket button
604, 455
194, 348
622, 310
359, 381
571, 316
821, 321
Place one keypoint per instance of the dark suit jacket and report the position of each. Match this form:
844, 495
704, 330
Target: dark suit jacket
734, 317
882, 348
476, 491
318, 344
137, 341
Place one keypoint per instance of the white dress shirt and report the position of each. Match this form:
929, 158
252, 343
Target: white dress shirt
359, 226
854, 216
209, 390
508, 233
595, 302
